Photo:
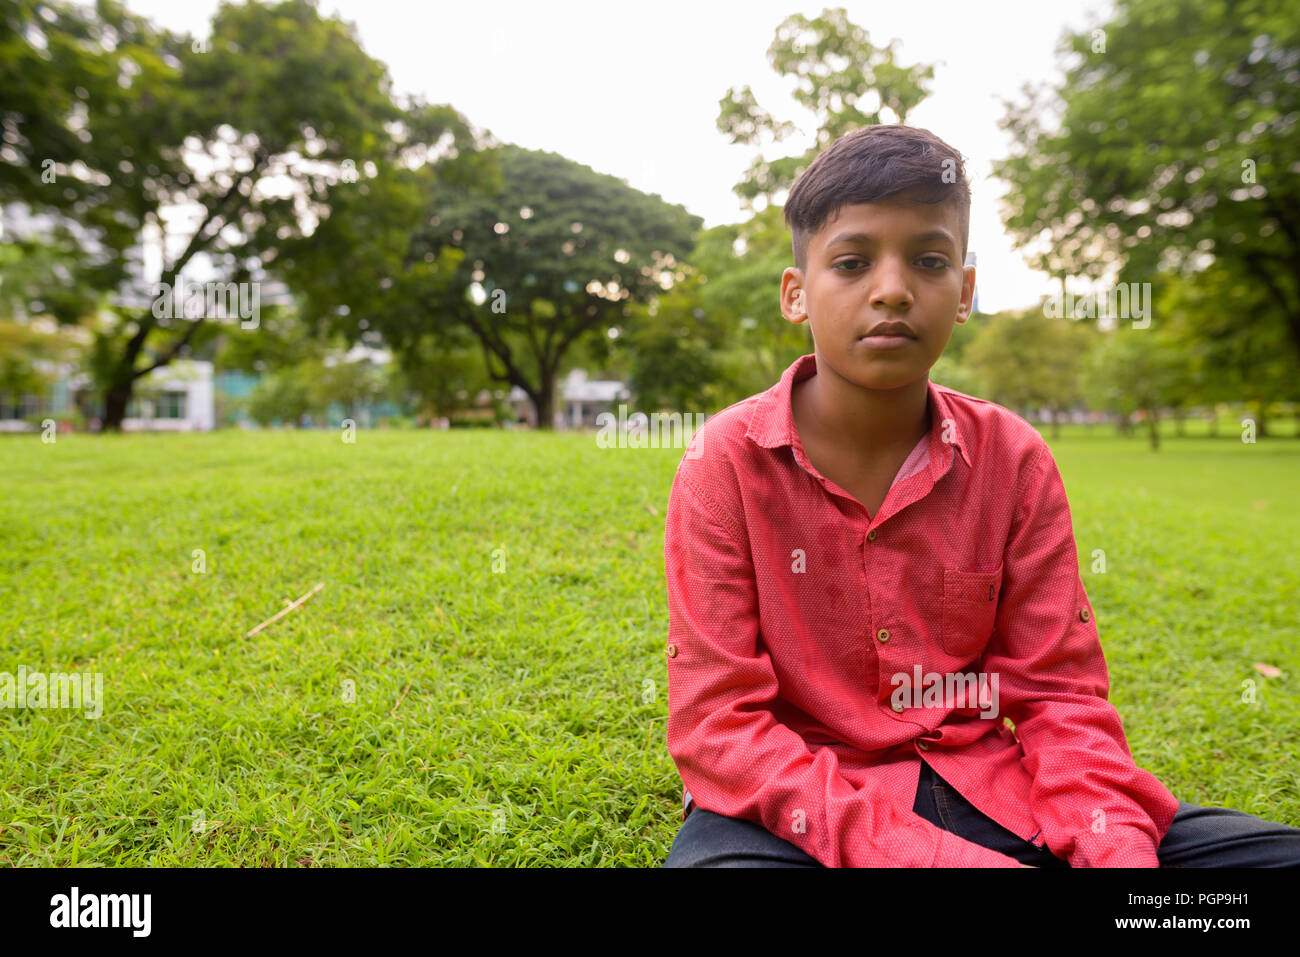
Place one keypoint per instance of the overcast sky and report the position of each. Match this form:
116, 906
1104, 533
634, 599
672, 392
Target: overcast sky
632, 89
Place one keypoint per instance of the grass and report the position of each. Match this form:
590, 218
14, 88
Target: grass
513, 717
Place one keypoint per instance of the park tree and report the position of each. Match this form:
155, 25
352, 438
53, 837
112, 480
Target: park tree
285, 395
554, 255
31, 351
1221, 365
1135, 369
528, 255
718, 336
438, 378
1027, 360
119, 135
395, 287
280, 339
743, 263
841, 78
1157, 156
669, 350
30, 356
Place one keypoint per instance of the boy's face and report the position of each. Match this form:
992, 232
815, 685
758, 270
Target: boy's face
894, 262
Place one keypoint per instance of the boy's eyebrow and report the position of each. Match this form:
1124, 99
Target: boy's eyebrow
930, 235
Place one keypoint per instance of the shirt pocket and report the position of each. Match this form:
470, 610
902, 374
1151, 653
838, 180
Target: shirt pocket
970, 605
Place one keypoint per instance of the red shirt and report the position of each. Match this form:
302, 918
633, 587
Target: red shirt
793, 612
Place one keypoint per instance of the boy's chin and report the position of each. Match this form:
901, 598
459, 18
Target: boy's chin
875, 375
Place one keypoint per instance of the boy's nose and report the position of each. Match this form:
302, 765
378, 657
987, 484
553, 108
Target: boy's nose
889, 288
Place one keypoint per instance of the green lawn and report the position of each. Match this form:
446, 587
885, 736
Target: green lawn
513, 717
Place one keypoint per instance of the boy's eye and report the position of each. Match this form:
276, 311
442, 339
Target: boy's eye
929, 262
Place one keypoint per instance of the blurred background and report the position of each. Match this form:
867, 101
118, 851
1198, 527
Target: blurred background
232, 215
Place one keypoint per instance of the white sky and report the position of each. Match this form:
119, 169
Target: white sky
632, 89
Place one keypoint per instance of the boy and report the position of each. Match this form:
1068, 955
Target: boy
867, 573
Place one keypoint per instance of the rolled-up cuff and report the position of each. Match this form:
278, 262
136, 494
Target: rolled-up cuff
1120, 845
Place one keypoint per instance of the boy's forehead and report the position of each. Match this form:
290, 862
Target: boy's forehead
901, 211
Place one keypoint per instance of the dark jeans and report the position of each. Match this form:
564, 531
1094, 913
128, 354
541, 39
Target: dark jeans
1198, 837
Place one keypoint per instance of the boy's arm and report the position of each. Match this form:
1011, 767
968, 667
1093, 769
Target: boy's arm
1095, 806
734, 757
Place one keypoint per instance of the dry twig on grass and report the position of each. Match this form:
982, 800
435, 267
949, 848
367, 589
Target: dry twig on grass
278, 615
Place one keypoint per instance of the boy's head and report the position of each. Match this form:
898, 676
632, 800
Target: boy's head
871, 164
880, 222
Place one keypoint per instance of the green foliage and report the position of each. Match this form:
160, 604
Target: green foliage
438, 379
391, 284
554, 250
841, 77
671, 347
743, 264
559, 253
956, 375
310, 387
104, 112
1134, 369
1095, 193
1027, 359
28, 358
279, 340
284, 396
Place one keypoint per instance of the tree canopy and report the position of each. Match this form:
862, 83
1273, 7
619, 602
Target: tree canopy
118, 134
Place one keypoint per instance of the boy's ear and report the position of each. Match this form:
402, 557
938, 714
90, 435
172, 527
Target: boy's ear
793, 306
967, 300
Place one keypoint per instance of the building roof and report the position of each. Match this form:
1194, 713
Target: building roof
576, 387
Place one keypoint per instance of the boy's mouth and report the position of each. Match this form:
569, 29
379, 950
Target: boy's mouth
886, 342
890, 328
888, 335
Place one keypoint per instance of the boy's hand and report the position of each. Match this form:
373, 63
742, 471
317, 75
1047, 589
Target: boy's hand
1029, 866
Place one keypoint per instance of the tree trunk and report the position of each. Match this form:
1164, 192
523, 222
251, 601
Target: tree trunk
1214, 421
115, 401
1153, 431
1179, 415
1123, 424
1056, 423
544, 401
123, 377
1260, 430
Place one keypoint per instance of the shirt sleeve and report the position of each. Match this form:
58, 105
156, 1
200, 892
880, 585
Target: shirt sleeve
734, 757
1096, 808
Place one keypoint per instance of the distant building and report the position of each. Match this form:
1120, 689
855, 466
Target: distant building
174, 398
578, 401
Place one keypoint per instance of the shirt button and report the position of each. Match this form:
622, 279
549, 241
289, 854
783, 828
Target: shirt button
883, 634
923, 745
897, 707
672, 651
1084, 614
871, 535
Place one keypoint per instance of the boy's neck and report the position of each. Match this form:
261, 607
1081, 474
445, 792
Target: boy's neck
858, 420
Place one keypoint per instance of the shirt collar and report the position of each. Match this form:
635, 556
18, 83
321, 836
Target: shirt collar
771, 424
